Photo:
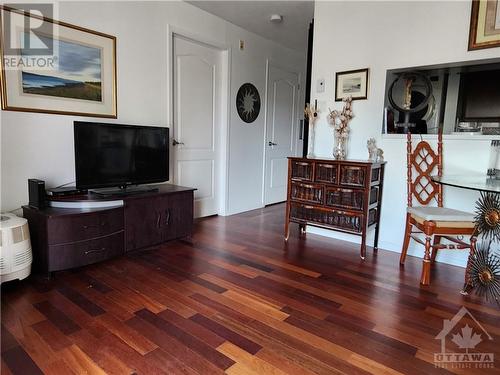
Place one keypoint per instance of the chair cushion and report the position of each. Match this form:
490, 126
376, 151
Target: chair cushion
442, 216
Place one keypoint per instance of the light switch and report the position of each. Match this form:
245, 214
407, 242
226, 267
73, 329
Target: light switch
320, 85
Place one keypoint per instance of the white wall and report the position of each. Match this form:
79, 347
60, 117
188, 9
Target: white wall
41, 145
247, 141
382, 36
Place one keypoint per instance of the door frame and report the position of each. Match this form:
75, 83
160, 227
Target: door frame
295, 130
223, 152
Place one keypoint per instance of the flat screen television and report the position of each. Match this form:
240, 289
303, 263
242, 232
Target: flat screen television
114, 155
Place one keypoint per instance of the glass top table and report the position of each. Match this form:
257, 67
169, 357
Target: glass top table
471, 182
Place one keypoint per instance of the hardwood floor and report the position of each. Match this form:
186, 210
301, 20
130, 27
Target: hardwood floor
240, 301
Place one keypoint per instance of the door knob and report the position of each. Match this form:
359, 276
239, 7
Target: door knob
175, 142
272, 143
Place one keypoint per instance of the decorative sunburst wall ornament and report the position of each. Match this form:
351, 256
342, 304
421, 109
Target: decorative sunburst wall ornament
488, 216
485, 273
248, 102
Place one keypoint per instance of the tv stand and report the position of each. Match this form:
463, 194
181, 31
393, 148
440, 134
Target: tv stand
64, 238
126, 190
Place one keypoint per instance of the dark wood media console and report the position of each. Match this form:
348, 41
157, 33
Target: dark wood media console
342, 195
64, 238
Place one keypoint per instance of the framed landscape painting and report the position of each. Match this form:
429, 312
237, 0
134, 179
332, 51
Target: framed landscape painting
484, 24
58, 68
352, 83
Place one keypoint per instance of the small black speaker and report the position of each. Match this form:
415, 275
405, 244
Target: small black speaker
36, 192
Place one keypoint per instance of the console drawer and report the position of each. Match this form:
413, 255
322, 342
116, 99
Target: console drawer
301, 170
346, 221
304, 192
376, 175
352, 175
374, 194
372, 216
326, 173
85, 252
63, 229
345, 198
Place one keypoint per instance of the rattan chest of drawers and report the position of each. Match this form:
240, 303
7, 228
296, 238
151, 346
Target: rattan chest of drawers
342, 195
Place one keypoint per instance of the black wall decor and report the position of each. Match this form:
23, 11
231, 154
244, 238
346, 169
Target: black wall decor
248, 102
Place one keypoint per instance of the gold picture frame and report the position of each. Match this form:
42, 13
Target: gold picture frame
484, 29
353, 83
83, 86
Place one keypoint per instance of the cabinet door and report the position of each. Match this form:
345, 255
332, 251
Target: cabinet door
154, 220
177, 216
142, 223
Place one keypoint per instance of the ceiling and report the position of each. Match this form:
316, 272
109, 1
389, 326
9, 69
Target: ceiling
254, 16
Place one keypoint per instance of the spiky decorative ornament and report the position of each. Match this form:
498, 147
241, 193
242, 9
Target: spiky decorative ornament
485, 273
488, 216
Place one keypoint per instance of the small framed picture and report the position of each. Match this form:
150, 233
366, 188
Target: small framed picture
351, 83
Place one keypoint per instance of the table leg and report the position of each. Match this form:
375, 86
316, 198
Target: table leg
363, 246
375, 241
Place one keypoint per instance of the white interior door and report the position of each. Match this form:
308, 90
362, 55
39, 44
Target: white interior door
197, 121
281, 125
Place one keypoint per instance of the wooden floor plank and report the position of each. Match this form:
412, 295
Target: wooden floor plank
254, 363
136, 341
19, 362
57, 318
188, 340
231, 336
173, 347
80, 362
56, 339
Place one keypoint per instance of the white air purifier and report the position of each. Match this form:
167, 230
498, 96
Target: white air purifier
15, 248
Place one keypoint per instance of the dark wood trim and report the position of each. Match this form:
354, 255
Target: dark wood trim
307, 96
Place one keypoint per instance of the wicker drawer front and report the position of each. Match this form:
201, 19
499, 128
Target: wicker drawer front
302, 170
376, 175
312, 193
374, 194
338, 219
345, 198
372, 216
351, 175
326, 173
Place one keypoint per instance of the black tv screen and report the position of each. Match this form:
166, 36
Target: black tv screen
109, 155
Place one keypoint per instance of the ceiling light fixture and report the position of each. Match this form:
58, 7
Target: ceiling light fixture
276, 18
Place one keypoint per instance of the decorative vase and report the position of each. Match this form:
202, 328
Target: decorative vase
340, 144
310, 141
